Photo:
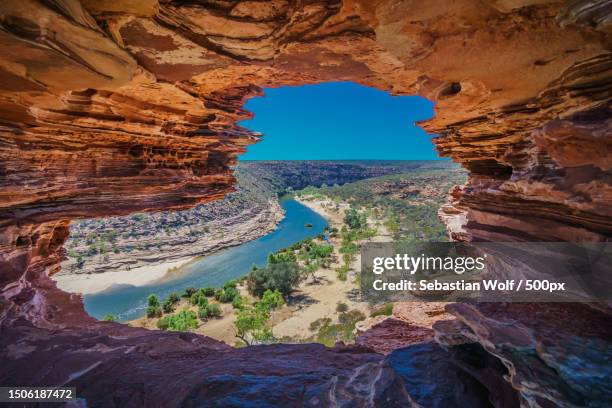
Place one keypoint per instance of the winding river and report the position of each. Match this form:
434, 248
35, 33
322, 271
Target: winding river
128, 302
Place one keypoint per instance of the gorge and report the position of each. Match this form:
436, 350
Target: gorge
111, 108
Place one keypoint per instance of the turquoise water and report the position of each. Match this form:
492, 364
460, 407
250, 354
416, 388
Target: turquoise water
129, 302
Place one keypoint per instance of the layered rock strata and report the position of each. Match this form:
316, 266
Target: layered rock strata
107, 108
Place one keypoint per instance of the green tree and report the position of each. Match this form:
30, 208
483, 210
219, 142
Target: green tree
283, 277
153, 300
250, 324
153, 308
353, 219
109, 318
168, 306
270, 300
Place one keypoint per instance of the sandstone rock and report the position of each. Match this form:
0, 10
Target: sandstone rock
137, 111
391, 334
555, 353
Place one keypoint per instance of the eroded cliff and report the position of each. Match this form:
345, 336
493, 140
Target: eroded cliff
107, 108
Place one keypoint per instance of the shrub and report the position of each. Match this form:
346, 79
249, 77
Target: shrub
218, 294
238, 302
154, 311
385, 310
354, 220
208, 291
228, 295
173, 298
189, 292
251, 323
282, 277
341, 307
270, 300
162, 324
109, 318
203, 312
181, 321
198, 299
153, 300
168, 306
351, 317
213, 310
342, 272
324, 321
231, 284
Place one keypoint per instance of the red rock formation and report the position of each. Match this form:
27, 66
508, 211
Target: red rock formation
111, 107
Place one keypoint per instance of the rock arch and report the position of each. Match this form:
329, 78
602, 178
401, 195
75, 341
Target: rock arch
108, 108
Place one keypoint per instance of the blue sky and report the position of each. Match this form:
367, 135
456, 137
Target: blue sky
338, 121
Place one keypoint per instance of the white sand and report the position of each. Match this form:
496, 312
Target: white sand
87, 284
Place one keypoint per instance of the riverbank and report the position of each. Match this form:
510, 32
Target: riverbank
87, 284
312, 300
154, 264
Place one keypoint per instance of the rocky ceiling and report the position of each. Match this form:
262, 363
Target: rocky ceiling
110, 107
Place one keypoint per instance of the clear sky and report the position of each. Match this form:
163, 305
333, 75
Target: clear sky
338, 121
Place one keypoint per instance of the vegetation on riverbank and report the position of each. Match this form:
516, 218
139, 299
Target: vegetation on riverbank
396, 207
408, 203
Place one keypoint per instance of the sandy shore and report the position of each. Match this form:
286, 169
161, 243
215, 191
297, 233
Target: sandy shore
158, 262
319, 300
87, 284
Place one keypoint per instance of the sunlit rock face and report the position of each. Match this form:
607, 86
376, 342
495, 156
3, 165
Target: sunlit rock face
111, 107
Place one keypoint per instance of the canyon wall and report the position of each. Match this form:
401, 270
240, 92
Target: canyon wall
108, 108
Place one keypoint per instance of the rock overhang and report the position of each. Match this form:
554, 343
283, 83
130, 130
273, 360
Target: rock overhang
108, 108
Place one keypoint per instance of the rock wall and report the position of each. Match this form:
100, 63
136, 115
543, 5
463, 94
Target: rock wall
107, 108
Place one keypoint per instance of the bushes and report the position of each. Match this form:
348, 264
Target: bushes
168, 306
228, 294
231, 284
341, 307
354, 220
173, 298
189, 292
351, 317
109, 318
214, 310
270, 300
385, 310
329, 333
181, 321
199, 299
209, 311
283, 256
342, 272
208, 291
238, 303
282, 277
251, 323
218, 294
153, 308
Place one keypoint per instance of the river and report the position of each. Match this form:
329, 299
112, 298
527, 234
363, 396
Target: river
128, 302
